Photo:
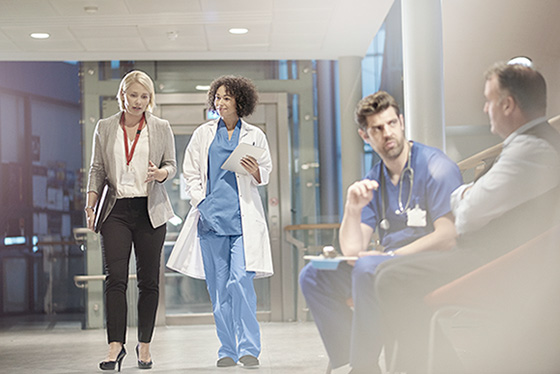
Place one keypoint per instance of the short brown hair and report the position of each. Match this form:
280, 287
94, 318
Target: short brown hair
241, 88
374, 104
525, 84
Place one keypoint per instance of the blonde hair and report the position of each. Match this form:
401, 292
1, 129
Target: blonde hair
137, 76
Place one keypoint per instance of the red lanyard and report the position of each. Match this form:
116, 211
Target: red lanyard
126, 152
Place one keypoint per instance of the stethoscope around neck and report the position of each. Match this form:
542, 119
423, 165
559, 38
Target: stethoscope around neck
384, 222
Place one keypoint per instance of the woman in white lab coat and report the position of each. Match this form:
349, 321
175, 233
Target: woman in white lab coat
225, 236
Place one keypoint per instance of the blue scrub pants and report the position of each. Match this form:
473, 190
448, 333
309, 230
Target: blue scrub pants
232, 293
350, 336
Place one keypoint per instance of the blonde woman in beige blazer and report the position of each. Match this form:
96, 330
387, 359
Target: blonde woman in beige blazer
134, 152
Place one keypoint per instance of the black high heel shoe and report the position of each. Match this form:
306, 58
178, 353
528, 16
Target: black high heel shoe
143, 364
110, 365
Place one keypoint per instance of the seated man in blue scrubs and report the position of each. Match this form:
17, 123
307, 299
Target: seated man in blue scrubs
405, 198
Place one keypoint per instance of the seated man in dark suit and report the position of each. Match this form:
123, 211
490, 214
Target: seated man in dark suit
515, 200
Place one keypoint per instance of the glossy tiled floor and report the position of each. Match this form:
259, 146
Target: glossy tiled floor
61, 346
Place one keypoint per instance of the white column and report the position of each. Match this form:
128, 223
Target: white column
423, 71
327, 131
351, 145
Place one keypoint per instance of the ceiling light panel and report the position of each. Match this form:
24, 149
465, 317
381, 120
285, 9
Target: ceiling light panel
218, 35
183, 43
93, 32
163, 6
73, 8
238, 30
49, 45
113, 44
238, 6
11, 9
154, 31
40, 35
21, 34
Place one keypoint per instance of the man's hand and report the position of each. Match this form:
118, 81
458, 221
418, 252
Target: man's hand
373, 253
355, 235
367, 253
360, 193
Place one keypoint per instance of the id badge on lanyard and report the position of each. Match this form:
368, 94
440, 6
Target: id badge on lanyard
128, 176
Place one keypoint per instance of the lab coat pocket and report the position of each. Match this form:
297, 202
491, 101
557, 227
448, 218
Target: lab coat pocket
256, 231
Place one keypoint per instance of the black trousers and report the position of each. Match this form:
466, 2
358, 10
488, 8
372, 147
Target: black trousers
129, 223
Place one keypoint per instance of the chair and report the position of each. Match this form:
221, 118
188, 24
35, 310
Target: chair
305, 248
487, 310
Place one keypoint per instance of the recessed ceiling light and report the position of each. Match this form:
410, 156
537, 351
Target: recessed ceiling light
40, 35
91, 9
238, 30
522, 60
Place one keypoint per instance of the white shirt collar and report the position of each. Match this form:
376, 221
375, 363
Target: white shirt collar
524, 128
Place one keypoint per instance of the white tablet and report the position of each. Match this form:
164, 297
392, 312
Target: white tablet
242, 150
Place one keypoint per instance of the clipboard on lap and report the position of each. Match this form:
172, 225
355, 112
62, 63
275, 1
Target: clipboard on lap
325, 263
242, 150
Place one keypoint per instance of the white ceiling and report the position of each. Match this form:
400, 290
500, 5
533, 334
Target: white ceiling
141, 29
476, 33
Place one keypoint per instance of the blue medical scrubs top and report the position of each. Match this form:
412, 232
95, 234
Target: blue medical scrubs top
220, 210
435, 178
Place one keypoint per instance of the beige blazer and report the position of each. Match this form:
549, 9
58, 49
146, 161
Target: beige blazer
162, 154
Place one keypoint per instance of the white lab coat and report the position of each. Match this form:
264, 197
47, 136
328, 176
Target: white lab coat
186, 257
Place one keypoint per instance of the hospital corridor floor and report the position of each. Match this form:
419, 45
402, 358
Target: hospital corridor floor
63, 347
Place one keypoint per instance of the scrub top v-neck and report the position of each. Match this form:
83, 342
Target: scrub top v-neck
220, 210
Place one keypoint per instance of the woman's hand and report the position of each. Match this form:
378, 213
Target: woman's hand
90, 218
250, 164
154, 173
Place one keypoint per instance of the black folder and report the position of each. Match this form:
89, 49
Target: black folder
102, 206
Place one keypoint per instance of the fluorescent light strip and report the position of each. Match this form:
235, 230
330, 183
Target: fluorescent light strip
238, 30
40, 35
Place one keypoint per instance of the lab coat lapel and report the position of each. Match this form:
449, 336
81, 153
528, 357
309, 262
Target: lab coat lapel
245, 132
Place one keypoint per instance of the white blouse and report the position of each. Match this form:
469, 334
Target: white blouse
138, 164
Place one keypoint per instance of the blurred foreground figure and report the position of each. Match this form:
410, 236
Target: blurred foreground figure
516, 200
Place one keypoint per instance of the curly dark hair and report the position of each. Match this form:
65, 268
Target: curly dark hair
241, 88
